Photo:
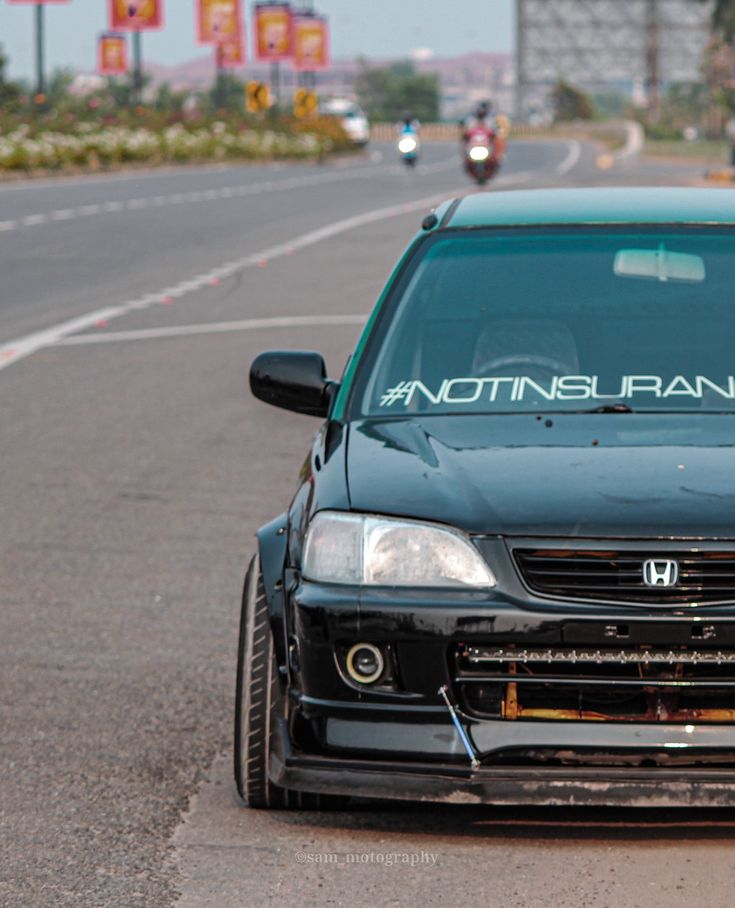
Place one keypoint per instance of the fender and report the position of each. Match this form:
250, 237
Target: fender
272, 547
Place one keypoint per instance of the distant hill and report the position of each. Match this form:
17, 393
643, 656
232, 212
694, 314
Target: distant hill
464, 79
471, 67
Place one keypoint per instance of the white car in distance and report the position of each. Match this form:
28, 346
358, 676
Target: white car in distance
352, 117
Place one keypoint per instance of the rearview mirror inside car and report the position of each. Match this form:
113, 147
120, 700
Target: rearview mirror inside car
659, 265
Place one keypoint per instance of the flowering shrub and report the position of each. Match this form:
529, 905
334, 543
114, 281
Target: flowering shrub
55, 145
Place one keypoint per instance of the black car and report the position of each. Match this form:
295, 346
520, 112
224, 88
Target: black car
508, 571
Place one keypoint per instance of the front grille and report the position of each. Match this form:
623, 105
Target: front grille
613, 575
638, 684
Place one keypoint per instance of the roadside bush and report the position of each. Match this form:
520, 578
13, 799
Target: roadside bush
56, 141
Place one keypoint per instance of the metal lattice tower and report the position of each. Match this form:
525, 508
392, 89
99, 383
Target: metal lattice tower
596, 43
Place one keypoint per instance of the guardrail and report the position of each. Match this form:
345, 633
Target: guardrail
430, 132
630, 134
448, 132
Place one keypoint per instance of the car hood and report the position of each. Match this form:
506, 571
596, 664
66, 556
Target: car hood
617, 475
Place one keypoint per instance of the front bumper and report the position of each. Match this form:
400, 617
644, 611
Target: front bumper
456, 784
401, 743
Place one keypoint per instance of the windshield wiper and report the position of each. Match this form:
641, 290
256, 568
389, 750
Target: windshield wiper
609, 408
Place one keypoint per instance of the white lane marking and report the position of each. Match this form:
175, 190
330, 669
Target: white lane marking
208, 195
135, 175
571, 159
250, 324
15, 350
635, 138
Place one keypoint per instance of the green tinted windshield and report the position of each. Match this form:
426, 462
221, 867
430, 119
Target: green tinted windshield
488, 321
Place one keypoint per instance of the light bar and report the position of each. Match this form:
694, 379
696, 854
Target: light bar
482, 655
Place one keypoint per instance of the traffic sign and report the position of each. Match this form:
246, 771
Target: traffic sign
305, 103
258, 97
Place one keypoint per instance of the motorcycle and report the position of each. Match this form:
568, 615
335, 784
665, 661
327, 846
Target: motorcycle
482, 154
408, 147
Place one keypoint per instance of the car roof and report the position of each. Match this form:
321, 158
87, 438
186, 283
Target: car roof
594, 206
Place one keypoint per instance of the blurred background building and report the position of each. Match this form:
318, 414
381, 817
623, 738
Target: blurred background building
634, 46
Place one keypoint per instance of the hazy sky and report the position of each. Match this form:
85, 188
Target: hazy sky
371, 27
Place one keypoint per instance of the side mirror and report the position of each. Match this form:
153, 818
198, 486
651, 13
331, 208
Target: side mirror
294, 380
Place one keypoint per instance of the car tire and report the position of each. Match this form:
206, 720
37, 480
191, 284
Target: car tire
258, 702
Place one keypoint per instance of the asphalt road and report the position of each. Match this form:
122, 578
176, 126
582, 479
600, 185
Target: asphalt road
135, 470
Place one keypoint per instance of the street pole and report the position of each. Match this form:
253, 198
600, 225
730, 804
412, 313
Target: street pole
40, 76
219, 85
276, 82
307, 79
137, 67
653, 74
519, 99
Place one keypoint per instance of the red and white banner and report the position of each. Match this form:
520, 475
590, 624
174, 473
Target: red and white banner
135, 15
218, 21
231, 54
273, 31
112, 55
310, 43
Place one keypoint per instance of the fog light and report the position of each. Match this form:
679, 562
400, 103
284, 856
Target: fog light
365, 663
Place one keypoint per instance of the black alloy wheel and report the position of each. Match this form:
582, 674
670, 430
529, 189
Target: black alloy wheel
258, 704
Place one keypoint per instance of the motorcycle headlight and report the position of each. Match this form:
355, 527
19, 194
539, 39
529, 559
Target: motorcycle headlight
384, 551
479, 153
407, 145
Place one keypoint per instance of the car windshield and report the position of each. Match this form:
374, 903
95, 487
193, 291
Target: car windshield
557, 320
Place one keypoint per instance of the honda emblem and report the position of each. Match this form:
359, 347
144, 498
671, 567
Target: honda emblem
660, 573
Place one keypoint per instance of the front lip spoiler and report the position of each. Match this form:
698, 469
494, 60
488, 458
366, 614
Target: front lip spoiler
458, 784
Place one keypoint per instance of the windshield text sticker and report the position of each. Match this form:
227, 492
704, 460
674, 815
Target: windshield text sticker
512, 389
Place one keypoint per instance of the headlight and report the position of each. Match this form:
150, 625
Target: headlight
407, 145
383, 551
479, 153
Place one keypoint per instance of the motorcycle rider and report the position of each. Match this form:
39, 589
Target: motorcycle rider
408, 124
408, 128
481, 118
482, 144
